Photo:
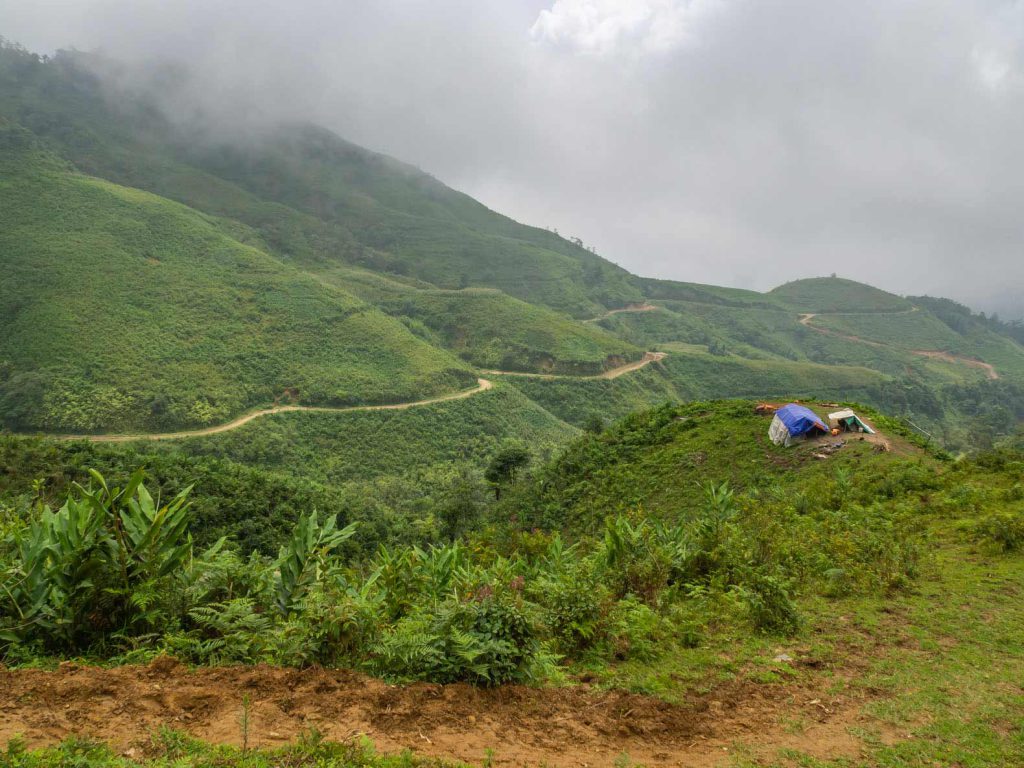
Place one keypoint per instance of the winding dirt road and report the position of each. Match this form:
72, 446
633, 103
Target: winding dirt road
612, 373
482, 386
935, 354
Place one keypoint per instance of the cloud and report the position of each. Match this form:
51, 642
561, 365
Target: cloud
731, 141
606, 26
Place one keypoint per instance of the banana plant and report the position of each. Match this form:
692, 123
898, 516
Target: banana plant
76, 569
147, 541
25, 588
303, 560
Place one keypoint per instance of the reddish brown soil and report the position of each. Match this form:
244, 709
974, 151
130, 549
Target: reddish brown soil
523, 726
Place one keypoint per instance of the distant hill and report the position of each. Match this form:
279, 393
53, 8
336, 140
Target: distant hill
835, 294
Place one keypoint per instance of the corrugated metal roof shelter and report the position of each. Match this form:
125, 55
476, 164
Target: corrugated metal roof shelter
792, 421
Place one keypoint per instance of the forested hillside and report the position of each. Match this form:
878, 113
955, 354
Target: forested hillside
254, 242
185, 325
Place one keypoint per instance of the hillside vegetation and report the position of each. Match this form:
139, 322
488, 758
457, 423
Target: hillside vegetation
492, 330
653, 460
673, 554
186, 326
834, 294
309, 194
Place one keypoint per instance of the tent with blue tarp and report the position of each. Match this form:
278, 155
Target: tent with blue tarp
792, 421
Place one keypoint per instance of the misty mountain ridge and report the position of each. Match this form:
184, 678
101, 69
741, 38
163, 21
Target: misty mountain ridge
428, 270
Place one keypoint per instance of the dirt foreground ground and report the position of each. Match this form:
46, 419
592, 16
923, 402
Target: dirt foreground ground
522, 726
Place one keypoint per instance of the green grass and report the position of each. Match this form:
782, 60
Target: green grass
913, 330
691, 374
707, 294
658, 460
492, 330
174, 749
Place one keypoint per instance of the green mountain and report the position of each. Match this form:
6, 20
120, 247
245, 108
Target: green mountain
834, 294
368, 425
359, 279
125, 310
312, 196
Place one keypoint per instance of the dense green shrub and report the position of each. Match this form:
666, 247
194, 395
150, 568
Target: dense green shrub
487, 640
1005, 529
767, 598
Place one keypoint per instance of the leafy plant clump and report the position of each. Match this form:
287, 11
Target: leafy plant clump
113, 573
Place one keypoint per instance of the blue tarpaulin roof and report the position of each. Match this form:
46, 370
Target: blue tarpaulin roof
799, 420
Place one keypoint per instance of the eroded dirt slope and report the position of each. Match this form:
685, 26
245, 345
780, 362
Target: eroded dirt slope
523, 726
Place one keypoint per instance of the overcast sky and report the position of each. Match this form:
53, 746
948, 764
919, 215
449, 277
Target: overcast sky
742, 142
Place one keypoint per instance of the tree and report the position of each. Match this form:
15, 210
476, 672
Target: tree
504, 467
594, 424
461, 505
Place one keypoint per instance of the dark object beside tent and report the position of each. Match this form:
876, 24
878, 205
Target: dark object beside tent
792, 421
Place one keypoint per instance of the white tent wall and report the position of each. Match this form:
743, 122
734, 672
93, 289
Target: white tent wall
778, 433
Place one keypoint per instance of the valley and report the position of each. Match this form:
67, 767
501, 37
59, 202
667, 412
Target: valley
308, 459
